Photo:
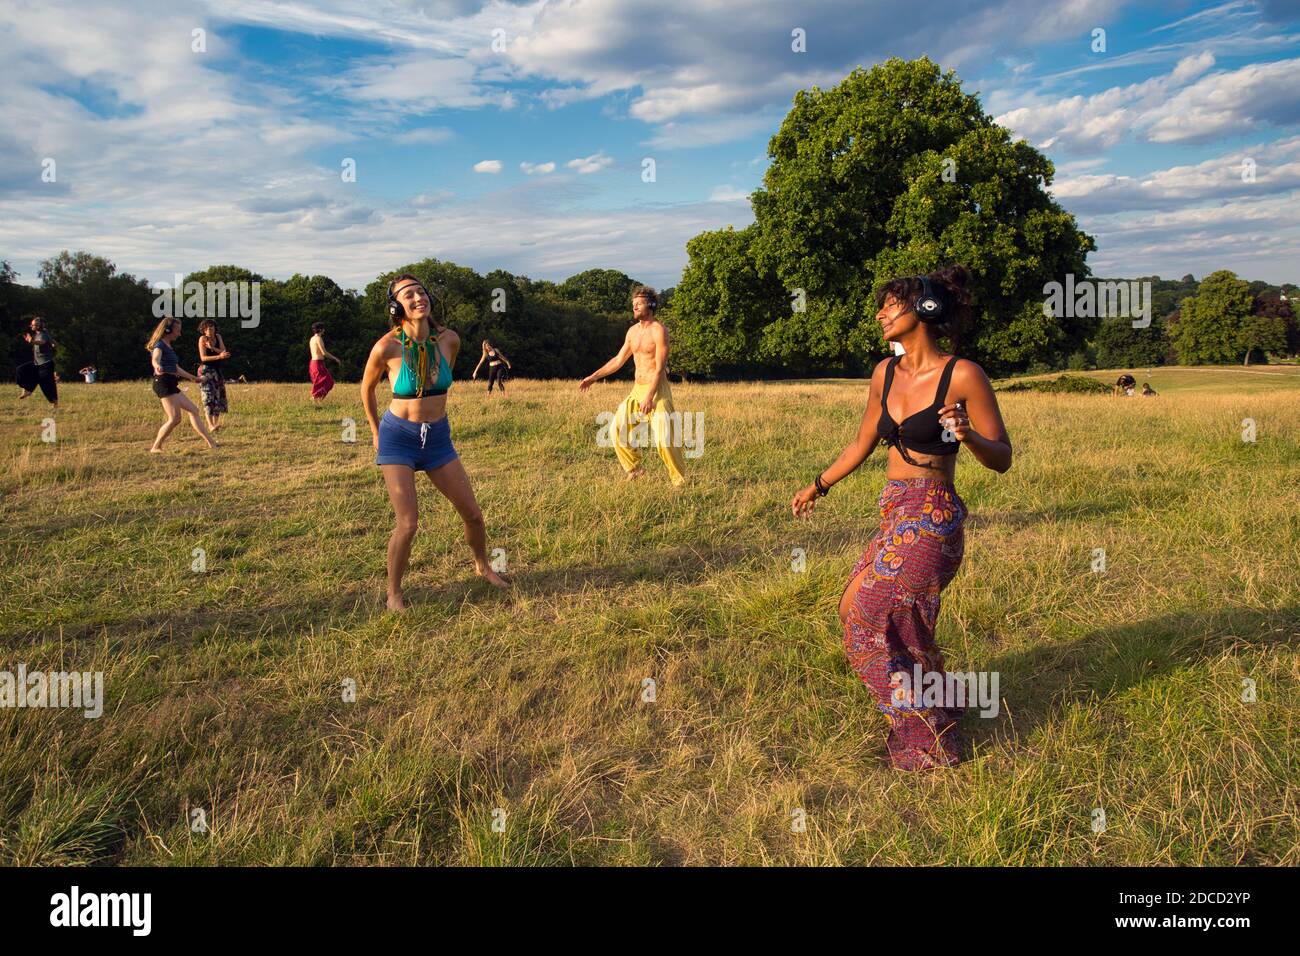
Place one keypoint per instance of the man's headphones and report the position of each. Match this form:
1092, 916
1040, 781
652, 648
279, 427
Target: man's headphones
395, 309
651, 299
927, 307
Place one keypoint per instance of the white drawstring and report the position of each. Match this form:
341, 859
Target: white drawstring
424, 430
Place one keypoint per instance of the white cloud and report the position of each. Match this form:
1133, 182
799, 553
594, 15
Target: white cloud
728, 194
533, 169
1274, 169
488, 166
1173, 108
416, 81
430, 135
590, 164
1230, 103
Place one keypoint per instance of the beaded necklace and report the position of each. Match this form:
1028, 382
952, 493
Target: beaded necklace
420, 372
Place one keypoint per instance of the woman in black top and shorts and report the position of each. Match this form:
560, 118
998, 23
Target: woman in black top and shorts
497, 365
166, 371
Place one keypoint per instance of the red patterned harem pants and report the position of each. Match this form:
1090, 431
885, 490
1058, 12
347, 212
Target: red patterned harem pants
889, 629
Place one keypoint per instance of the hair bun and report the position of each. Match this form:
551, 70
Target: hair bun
956, 277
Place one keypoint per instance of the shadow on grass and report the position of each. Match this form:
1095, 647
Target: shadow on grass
1015, 520
1037, 683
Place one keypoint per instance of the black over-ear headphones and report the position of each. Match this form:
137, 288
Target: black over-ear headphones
927, 307
395, 309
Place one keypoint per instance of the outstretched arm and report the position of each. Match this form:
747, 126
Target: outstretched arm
854, 453
612, 366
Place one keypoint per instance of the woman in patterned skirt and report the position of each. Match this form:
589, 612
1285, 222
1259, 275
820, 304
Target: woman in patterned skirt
925, 404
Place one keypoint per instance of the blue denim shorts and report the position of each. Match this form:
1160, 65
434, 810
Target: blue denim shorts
418, 445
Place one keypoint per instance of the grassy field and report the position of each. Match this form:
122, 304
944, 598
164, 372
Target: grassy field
1122, 690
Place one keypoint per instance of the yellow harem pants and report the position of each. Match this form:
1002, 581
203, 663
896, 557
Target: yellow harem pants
630, 431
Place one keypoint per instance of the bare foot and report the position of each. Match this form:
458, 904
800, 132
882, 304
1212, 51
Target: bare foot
395, 603
155, 451
24, 394
496, 580
635, 473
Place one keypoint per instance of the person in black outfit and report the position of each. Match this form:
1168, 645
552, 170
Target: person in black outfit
497, 365
40, 370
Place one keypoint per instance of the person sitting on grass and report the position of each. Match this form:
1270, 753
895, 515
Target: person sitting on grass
1124, 384
1147, 389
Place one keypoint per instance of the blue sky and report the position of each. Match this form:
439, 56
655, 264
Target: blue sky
513, 135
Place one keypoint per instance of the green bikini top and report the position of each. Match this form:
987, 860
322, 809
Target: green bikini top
415, 369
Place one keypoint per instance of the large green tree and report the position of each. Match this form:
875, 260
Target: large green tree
601, 290
722, 305
1119, 345
1219, 324
894, 171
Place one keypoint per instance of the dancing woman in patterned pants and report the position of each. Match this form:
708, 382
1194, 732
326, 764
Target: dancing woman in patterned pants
891, 604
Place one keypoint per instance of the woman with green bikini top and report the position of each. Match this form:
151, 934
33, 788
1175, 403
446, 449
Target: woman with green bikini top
415, 434
412, 380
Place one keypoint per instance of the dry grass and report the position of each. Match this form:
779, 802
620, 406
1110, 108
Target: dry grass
1120, 690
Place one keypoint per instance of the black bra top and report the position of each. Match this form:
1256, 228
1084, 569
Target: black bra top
921, 431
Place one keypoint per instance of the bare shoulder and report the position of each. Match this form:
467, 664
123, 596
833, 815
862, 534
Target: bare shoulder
386, 346
968, 376
878, 374
450, 337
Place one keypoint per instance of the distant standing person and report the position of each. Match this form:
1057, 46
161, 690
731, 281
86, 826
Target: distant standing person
212, 381
166, 371
321, 380
497, 365
889, 607
40, 370
89, 373
646, 343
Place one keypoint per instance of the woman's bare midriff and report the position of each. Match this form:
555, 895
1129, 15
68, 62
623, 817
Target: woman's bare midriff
429, 409
945, 465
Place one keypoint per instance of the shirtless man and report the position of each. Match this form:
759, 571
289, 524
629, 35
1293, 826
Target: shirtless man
647, 344
321, 380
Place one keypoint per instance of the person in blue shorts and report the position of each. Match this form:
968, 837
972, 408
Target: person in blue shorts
414, 434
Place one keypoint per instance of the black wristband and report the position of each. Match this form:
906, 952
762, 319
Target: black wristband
821, 488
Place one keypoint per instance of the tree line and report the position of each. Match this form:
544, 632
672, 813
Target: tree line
102, 317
